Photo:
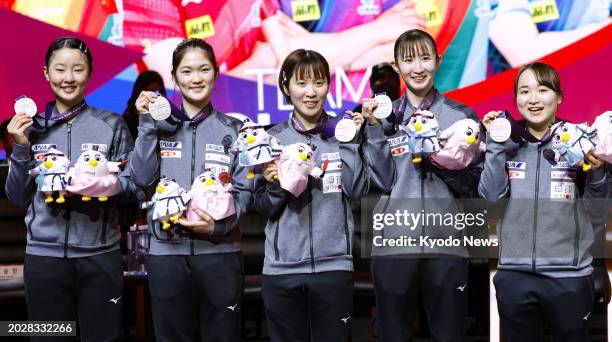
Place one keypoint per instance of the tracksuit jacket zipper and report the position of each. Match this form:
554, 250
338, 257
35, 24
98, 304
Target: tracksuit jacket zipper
67, 218
312, 263
193, 144
535, 214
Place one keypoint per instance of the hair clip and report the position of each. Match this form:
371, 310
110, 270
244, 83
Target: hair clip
284, 76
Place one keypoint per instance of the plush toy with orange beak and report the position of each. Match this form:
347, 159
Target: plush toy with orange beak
460, 144
51, 175
255, 147
211, 194
94, 176
169, 202
296, 163
423, 131
571, 143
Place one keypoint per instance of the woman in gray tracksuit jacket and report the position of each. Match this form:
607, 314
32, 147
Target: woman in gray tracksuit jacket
307, 276
195, 268
72, 254
405, 274
546, 230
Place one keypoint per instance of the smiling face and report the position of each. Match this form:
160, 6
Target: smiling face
418, 68
536, 102
67, 74
195, 77
307, 95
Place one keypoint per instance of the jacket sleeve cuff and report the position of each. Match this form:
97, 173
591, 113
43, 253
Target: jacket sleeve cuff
494, 145
220, 228
274, 187
21, 152
375, 132
596, 176
145, 120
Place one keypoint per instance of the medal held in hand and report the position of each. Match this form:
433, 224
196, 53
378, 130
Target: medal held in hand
24, 104
160, 109
500, 129
385, 106
345, 129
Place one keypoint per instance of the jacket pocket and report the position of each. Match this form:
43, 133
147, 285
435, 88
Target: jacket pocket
45, 222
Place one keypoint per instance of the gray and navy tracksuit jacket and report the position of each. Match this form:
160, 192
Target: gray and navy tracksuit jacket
547, 226
182, 150
418, 187
74, 228
312, 233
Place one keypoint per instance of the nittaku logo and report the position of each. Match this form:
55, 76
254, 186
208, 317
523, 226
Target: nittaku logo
398, 151
170, 144
516, 174
170, 154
